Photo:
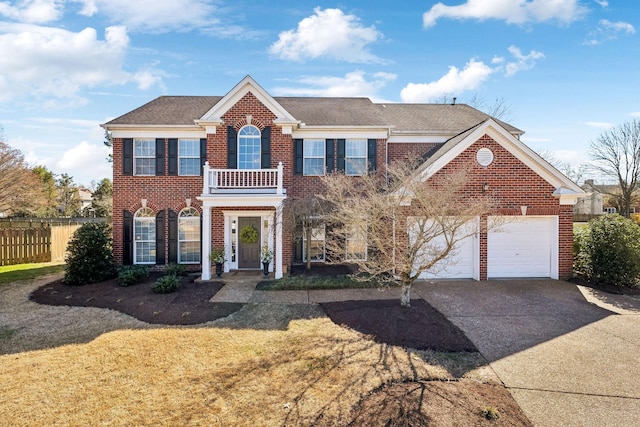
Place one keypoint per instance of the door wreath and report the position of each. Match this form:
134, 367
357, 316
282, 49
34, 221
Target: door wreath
248, 234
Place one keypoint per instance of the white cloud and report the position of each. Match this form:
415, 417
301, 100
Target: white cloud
53, 63
608, 30
602, 3
635, 114
33, 11
353, 84
510, 11
152, 15
85, 162
454, 82
328, 33
599, 125
523, 62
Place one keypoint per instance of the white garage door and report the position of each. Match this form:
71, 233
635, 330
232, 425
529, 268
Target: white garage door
461, 263
522, 247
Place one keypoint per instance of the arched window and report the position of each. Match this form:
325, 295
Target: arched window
189, 236
144, 237
249, 148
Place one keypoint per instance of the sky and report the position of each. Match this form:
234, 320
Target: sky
567, 70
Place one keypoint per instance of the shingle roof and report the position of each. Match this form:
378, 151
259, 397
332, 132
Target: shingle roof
168, 110
445, 118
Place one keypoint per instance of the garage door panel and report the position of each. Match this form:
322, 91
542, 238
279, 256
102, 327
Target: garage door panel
460, 263
521, 247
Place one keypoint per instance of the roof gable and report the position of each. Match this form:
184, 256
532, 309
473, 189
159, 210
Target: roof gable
246, 85
566, 190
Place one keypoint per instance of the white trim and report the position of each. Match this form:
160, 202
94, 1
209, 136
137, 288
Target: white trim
423, 138
155, 133
246, 85
333, 132
514, 146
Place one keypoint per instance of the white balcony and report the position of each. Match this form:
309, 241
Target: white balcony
243, 181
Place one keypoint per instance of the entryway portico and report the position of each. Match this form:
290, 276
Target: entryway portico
261, 192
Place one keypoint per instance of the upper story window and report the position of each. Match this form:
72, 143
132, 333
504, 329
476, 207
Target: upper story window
249, 148
356, 157
189, 157
313, 157
144, 237
144, 156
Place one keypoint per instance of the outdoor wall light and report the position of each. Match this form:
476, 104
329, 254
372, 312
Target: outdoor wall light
485, 187
523, 210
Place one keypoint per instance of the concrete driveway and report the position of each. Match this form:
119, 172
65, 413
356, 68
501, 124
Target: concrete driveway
568, 355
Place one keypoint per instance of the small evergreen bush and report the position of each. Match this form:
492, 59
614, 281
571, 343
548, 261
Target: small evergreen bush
174, 269
612, 251
90, 255
132, 274
165, 284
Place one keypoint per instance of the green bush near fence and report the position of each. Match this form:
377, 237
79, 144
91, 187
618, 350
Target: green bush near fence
90, 255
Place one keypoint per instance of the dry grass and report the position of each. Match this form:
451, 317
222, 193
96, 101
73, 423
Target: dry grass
292, 366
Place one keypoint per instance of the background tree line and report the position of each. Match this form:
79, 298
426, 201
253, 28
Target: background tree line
35, 191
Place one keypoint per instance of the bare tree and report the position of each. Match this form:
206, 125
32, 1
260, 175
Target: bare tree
396, 232
575, 173
616, 153
20, 192
500, 109
306, 215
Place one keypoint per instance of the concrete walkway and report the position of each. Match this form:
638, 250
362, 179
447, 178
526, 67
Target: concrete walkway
568, 355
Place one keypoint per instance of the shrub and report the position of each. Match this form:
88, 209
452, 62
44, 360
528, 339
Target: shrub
174, 269
580, 260
166, 284
612, 251
90, 255
132, 274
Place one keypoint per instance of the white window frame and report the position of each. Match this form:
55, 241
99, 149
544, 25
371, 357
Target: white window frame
349, 158
315, 232
195, 157
610, 210
358, 239
254, 138
307, 143
144, 156
146, 217
186, 216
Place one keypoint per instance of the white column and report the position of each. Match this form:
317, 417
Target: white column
205, 178
278, 219
206, 243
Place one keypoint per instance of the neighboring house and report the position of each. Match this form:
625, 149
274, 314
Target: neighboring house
596, 201
86, 199
194, 173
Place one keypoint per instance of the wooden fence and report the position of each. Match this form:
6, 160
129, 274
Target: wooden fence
36, 240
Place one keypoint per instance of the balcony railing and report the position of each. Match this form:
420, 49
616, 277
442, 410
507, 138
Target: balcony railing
261, 181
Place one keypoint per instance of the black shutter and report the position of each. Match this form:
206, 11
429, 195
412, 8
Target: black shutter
160, 238
159, 156
297, 156
127, 156
172, 157
173, 236
341, 154
371, 154
127, 238
330, 161
203, 154
232, 148
265, 148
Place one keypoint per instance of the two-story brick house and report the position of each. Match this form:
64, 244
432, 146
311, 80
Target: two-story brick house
193, 173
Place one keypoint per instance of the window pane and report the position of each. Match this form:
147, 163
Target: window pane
144, 234
314, 166
356, 247
189, 236
189, 147
144, 152
355, 166
356, 148
314, 147
189, 167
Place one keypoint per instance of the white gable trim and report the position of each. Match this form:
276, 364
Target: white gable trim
517, 149
246, 85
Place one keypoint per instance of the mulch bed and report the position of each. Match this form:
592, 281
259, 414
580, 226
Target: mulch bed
420, 326
439, 403
189, 305
611, 289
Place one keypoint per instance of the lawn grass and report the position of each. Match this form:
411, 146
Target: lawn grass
14, 273
310, 373
295, 283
